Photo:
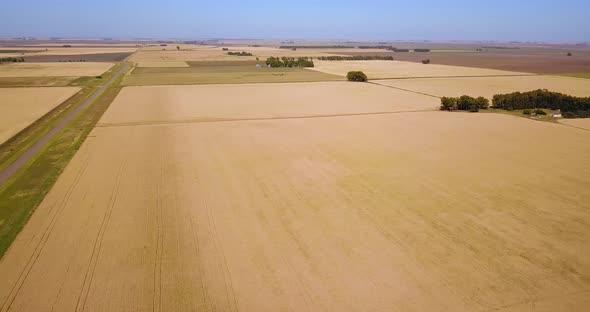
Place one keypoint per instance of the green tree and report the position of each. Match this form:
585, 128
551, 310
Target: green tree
357, 76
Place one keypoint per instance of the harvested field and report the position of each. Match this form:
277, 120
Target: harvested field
170, 104
317, 214
100, 57
53, 69
20, 107
217, 72
488, 86
396, 69
542, 61
162, 64
583, 123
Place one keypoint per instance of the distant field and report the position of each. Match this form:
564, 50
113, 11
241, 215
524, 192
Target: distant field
140, 105
397, 69
59, 50
35, 81
577, 75
222, 73
214, 53
170, 64
99, 57
19, 107
531, 60
53, 69
488, 86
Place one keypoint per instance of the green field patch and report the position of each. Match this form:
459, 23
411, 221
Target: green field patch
577, 75
36, 81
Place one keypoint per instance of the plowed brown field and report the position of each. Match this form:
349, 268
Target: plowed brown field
422, 211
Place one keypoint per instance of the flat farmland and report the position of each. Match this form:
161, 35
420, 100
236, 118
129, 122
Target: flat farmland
20, 107
489, 86
312, 214
53, 69
163, 64
170, 104
398, 69
583, 123
220, 72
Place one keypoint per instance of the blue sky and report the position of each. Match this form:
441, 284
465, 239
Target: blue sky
500, 20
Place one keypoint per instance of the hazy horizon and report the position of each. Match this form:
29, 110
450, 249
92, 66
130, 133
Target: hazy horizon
459, 20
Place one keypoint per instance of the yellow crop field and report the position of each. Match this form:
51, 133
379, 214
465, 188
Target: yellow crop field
398, 69
19, 107
171, 204
583, 123
60, 69
137, 105
488, 86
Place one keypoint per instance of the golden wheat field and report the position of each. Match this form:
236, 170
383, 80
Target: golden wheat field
59, 69
488, 86
583, 123
19, 107
399, 69
172, 204
157, 104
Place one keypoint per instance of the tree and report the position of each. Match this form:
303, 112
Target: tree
357, 76
448, 103
178, 48
427, 61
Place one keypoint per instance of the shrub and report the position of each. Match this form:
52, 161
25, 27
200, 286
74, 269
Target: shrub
569, 54
357, 76
527, 112
421, 50
427, 61
539, 111
473, 108
225, 49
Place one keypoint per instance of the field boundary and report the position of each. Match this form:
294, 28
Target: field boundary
402, 89
197, 121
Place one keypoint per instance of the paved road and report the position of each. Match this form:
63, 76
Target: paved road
24, 158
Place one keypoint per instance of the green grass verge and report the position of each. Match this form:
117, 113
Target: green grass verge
20, 143
24, 191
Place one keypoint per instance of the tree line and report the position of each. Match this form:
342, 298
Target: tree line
12, 60
289, 62
240, 53
570, 106
464, 103
356, 58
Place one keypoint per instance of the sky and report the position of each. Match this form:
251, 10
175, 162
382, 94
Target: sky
500, 20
